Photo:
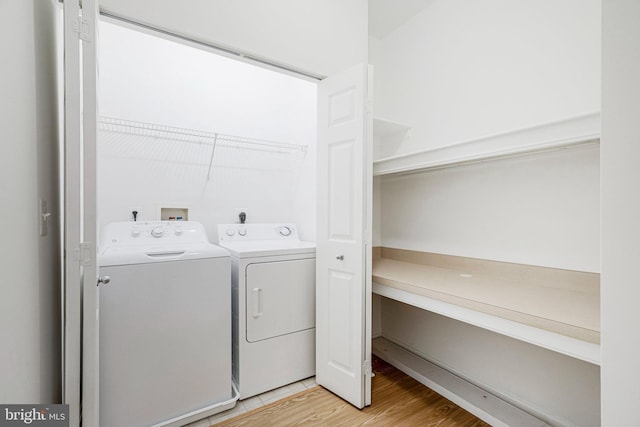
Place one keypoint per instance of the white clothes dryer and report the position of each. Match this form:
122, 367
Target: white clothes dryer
273, 294
165, 324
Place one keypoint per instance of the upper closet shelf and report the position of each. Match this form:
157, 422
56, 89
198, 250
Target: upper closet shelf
383, 127
566, 133
387, 136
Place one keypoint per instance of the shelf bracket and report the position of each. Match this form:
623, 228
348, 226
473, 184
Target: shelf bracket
213, 150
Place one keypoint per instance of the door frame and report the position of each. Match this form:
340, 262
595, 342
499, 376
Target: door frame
72, 318
81, 327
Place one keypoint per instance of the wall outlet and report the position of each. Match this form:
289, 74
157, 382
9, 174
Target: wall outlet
237, 214
138, 209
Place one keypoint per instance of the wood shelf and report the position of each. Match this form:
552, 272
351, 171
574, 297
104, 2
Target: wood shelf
571, 132
555, 309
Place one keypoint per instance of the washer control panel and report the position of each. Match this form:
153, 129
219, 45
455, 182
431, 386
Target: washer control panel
152, 232
155, 232
250, 232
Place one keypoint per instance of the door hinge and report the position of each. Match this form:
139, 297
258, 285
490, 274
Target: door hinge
87, 254
366, 367
81, 27
44, 218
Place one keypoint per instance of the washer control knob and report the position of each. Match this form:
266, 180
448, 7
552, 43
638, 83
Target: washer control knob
135, 233
242, 231
285, 231
178, 232
157, 232
230, 232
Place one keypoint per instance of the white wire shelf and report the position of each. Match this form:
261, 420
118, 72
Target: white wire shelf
111, 124
210, 143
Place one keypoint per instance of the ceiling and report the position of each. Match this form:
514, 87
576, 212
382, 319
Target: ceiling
387, 15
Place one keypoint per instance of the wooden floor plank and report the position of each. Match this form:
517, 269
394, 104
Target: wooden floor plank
398, 400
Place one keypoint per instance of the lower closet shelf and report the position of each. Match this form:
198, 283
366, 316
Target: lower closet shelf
479, 402
555, 309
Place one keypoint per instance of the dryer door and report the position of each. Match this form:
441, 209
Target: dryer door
280, 298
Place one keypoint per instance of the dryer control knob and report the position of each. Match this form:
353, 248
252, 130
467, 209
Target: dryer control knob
157, 232
285, 231
135, 233
230, 232
242, 231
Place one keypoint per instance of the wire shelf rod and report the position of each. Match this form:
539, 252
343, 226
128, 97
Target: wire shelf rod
111, 124
225, 144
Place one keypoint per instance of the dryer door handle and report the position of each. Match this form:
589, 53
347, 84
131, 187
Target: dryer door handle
257, 302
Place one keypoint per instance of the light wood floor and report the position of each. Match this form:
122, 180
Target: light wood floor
398, 400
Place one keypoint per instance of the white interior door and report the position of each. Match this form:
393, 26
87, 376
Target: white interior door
343, 287
81, 369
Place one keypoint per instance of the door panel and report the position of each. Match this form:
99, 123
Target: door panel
341, 324
80, 292
271, 287
341, 191
342, 332
90, 319
342, 106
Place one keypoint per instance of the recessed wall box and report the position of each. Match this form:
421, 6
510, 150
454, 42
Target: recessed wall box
174, 214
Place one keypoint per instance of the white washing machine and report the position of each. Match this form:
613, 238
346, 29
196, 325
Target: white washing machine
274, 294
165, 324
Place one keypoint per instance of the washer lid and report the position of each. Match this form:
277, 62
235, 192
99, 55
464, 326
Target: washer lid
155, 241
150, 254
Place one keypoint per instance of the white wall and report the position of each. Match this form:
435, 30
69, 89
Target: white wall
47, 26
30, 285
322, 37
150, 79
461, 70
541, 210
620, 212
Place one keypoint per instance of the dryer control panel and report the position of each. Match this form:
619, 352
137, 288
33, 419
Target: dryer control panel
251, 232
